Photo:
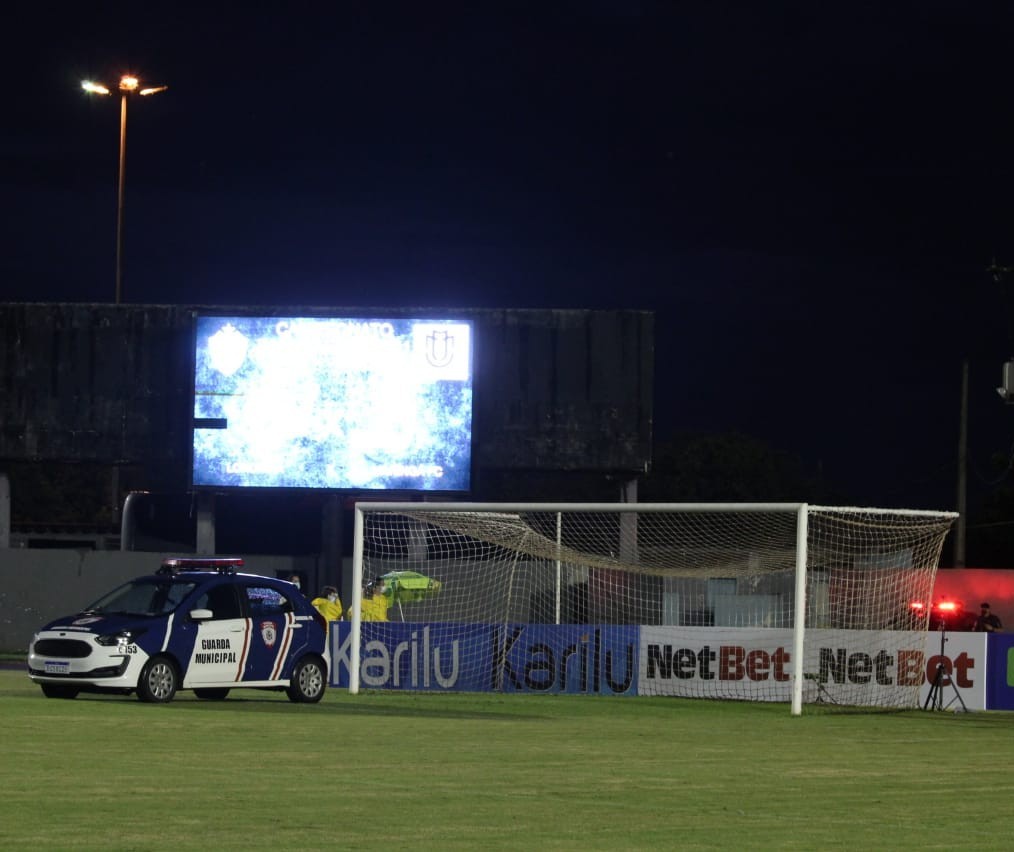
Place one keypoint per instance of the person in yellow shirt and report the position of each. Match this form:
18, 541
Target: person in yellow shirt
328, 604
375, 602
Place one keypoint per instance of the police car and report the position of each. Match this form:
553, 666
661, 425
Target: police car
196, 624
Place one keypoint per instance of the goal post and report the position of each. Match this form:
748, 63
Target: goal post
784, 602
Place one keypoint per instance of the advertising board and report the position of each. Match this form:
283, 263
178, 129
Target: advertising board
691, 662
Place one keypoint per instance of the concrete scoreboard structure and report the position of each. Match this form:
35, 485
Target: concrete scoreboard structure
556, 392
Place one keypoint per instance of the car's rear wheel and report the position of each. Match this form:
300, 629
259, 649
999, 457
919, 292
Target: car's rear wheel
211, 693
158, 681
59, 690
308, 681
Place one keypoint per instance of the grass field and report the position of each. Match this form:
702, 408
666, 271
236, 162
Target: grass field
401, 771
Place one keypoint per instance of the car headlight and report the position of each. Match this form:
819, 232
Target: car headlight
120, 639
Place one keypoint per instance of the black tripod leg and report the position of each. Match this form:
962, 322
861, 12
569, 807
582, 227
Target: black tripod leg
935, 697
957, 695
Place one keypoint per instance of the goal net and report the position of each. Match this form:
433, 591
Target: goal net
768, 602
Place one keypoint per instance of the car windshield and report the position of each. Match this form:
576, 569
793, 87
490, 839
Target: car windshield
148, 596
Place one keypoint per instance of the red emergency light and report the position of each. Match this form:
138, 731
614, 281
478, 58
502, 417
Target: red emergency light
942, 615
943, 607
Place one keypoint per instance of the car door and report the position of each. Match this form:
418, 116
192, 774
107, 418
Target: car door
222, 643
274, 632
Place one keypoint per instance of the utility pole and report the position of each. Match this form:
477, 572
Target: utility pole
959, 541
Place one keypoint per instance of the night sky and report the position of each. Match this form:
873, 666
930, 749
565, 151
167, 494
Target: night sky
807, 195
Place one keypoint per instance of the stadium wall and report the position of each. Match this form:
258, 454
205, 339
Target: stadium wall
37, 586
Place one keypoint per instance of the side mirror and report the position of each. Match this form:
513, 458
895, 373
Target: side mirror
200, 614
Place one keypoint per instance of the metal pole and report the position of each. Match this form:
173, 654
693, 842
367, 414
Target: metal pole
5, 512
119, 200
128, 521
799, 625
357, 603
959, 540
559, 565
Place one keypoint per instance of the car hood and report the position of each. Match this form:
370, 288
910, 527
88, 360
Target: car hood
101, 622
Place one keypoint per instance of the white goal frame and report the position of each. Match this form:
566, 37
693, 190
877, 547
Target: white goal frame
802, 513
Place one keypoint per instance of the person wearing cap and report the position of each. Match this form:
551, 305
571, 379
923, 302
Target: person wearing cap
328, 604
987, 622
375, 603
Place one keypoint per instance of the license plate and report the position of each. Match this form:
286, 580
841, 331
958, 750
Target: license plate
57, 667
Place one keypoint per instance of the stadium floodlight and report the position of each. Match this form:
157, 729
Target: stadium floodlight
128, 85
724, 601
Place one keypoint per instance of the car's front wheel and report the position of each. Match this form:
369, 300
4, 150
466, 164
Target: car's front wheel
158, 681
59, 690
309, 679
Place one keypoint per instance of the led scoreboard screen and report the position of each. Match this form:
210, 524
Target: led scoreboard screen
332, 403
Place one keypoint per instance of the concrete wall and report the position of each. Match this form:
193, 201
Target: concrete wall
37, 586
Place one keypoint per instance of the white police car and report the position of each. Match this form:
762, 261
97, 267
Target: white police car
196, 624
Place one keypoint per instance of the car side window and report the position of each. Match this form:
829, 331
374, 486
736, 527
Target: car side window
222, 601
262, 600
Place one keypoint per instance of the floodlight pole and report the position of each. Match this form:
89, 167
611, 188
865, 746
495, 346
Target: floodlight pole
119, 195
128, 85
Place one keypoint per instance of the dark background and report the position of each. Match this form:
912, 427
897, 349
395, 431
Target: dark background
808, 196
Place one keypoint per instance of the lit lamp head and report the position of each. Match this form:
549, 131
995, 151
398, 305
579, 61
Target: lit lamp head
128, 85
946, 610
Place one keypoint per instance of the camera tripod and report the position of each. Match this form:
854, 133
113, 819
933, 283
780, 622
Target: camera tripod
935, 699
823, 696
